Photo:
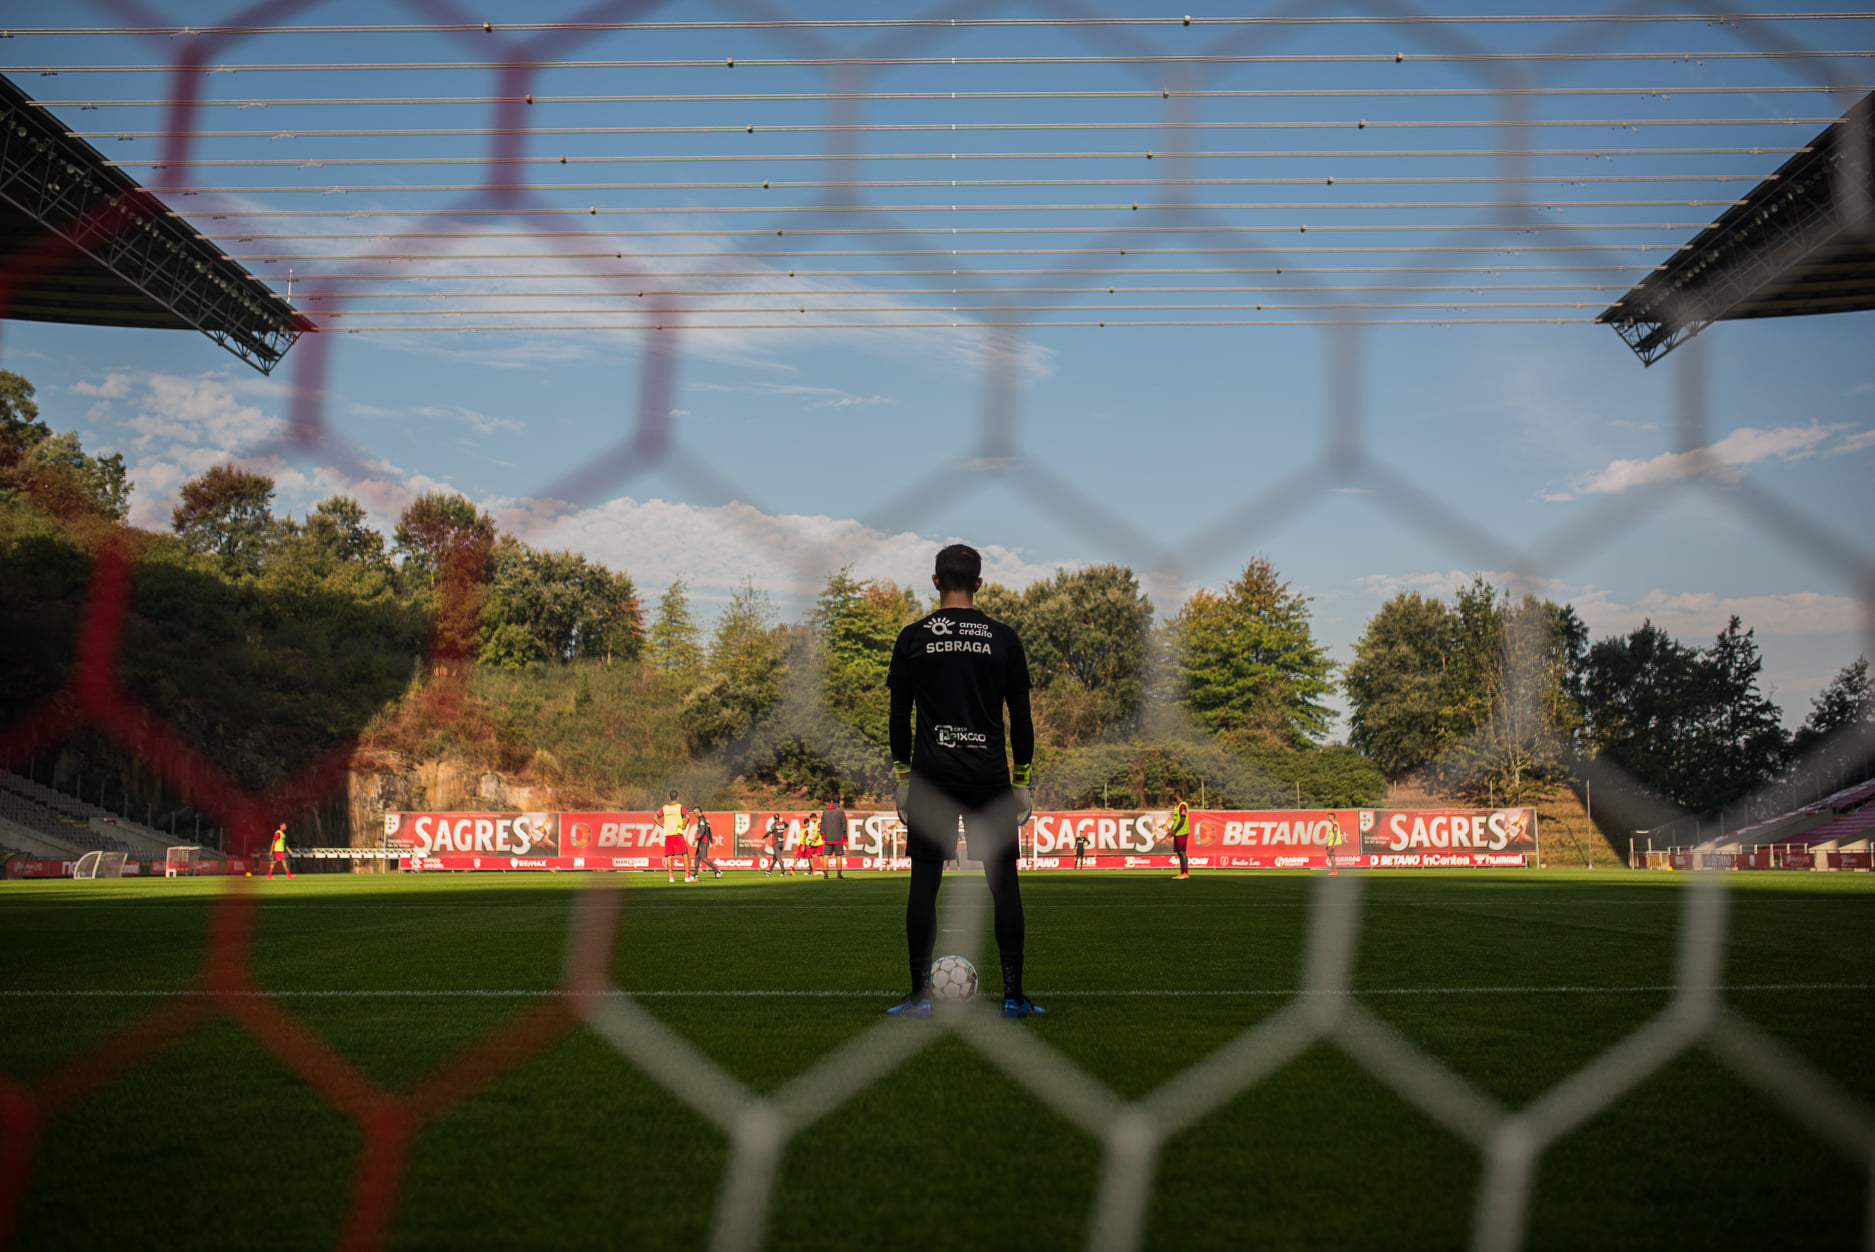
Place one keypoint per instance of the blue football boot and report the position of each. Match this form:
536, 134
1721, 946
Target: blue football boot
915, 1005
1024, 1007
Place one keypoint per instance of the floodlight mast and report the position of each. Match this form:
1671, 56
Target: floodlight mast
89, 245
1802, 242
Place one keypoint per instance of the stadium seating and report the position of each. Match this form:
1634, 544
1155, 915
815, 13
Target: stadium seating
67, 821
1852, 828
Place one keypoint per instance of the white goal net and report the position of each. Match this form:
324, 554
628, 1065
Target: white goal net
99, 865
181, 862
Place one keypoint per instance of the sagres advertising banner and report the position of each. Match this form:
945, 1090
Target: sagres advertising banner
499, 840
1106, 839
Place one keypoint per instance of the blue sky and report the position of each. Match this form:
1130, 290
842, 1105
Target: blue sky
1180, 450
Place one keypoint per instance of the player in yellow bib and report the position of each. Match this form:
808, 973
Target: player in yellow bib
1181, 835
812, 843
1334, 840
672, 818
279, 854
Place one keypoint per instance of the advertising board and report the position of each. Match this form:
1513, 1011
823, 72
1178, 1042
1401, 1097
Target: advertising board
1114, 839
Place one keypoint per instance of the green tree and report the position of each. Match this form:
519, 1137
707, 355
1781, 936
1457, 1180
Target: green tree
448, 544
1519, 748
442, 534
338, 527
1738, 741
1847, 701
1482, 687
227, 512
1689, 724
1249, 664
1333, 777
565, 603
611, 621
53, 470
1086, 633
674, 646
1396, 683
18, 410
745, 670
1474, 658
855, 625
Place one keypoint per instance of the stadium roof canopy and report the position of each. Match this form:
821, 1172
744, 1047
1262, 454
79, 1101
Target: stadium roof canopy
83, 242
1802, 242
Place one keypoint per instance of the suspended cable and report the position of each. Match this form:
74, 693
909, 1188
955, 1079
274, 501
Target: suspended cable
961, 23
742, 254
1142, 271
819, 97
1140, 58
991, 325
817, 128
801, 209
1402, 180
1325, 154
1189, 289
971, 308
843, 232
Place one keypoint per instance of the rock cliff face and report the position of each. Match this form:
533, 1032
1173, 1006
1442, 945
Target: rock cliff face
394, 784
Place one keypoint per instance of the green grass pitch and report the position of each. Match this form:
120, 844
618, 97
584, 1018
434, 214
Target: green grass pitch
214, 1144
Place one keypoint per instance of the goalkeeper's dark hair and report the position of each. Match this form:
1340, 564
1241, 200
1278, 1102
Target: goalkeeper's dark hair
959, 568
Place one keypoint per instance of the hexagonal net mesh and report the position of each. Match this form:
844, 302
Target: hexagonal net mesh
1001, 175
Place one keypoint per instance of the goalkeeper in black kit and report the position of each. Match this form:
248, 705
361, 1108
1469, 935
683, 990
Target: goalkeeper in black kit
958, 669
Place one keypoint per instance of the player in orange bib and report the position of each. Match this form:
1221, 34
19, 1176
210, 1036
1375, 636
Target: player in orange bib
672, 818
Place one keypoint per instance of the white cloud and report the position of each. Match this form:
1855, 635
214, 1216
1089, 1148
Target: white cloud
1855, 443
626, 304
817, 397
1439, 584
1696, 614
175, 427
114, 387
1683, 614
1745, 446
714, 548
480, 422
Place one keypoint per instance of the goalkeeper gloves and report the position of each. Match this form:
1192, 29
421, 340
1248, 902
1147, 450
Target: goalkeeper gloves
901, 791
1025, 799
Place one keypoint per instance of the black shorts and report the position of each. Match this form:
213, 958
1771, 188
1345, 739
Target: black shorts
989, 822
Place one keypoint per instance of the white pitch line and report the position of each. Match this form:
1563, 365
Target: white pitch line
1105, 993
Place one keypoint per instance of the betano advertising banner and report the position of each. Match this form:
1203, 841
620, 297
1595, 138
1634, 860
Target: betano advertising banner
1114, 839
1289, 838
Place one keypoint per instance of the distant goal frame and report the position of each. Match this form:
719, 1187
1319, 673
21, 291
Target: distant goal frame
100, 864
